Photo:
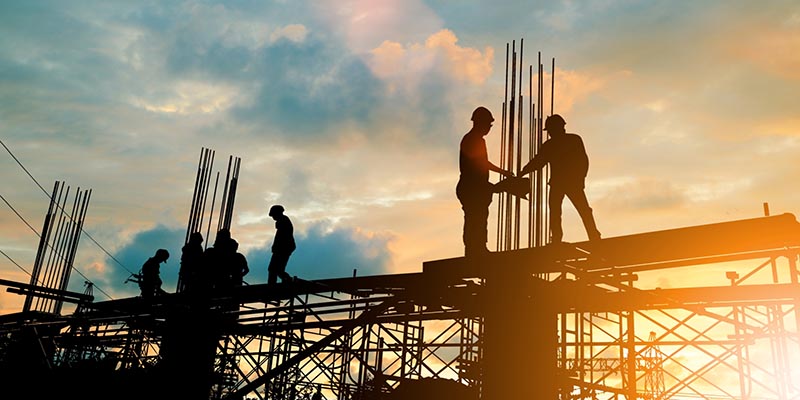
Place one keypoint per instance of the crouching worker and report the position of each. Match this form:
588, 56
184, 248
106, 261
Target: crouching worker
150, 274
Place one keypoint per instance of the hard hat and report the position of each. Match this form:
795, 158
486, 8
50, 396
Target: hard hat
554, 121
162, 254
482, 114
223, 234
276, 209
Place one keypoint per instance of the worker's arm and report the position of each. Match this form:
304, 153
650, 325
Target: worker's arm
500, 171
536, 164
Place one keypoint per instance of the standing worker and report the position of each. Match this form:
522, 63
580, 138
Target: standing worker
474, 189
150, 280
569, 165
191, 262
282, 246
238, 265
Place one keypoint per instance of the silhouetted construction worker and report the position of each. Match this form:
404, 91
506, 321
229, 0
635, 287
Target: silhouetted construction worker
474, 189
234, 268
238, 266
569, 165
150, 280
282, 246
191, 261
216, 261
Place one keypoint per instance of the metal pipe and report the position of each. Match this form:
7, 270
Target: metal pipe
222, 204
194, 197
211, 217
509, 165
40, 250
501, 196
531, 142
205, 192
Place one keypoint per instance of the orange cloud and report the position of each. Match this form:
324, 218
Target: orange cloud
465, 63
363, 24
773, 49
406, 65
570, 87
295, 32
780, 126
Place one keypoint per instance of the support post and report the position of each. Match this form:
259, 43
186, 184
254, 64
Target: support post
521, 339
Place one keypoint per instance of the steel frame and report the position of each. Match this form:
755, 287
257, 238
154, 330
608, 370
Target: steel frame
682, 353
360, 337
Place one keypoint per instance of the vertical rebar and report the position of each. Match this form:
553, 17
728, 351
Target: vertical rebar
552, 86
205, 192
545, 173
517, 200
194, 197
211, 216
510, 144
224, 201
531, 149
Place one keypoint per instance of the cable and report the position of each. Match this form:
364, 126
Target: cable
76, 270
62, 210
15, 263
18, 215
95, 285
23, 167
48, 196
37, 234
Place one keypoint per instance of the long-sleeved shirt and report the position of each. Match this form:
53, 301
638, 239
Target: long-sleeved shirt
284, 236
568, 161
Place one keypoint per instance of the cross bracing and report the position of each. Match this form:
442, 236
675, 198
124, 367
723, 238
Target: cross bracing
485, 324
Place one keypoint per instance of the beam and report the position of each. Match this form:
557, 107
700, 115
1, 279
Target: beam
681, 246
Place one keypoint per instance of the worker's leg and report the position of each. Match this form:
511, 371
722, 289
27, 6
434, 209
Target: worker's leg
276, 265
277, 268
475, 203
554, 202
578, 199
475, 230
285, 277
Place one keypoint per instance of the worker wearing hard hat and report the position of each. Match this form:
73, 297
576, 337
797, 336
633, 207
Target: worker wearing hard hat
282, 246
474, 189
569, 165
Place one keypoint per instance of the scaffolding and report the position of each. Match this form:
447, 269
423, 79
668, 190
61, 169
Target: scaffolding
364, 337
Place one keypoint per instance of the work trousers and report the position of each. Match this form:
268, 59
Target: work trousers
475, 200
277, 268
577, 196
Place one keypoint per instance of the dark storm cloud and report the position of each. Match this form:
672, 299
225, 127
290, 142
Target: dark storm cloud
321, 253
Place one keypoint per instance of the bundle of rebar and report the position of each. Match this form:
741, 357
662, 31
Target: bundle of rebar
202, 186
521, 140
55, 255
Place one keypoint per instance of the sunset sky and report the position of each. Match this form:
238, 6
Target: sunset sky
349, 113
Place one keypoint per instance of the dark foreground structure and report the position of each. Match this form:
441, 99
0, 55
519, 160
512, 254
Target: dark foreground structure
552, 322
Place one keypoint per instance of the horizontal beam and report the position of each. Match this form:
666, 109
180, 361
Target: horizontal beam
571, 296
37, 290
726, 241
